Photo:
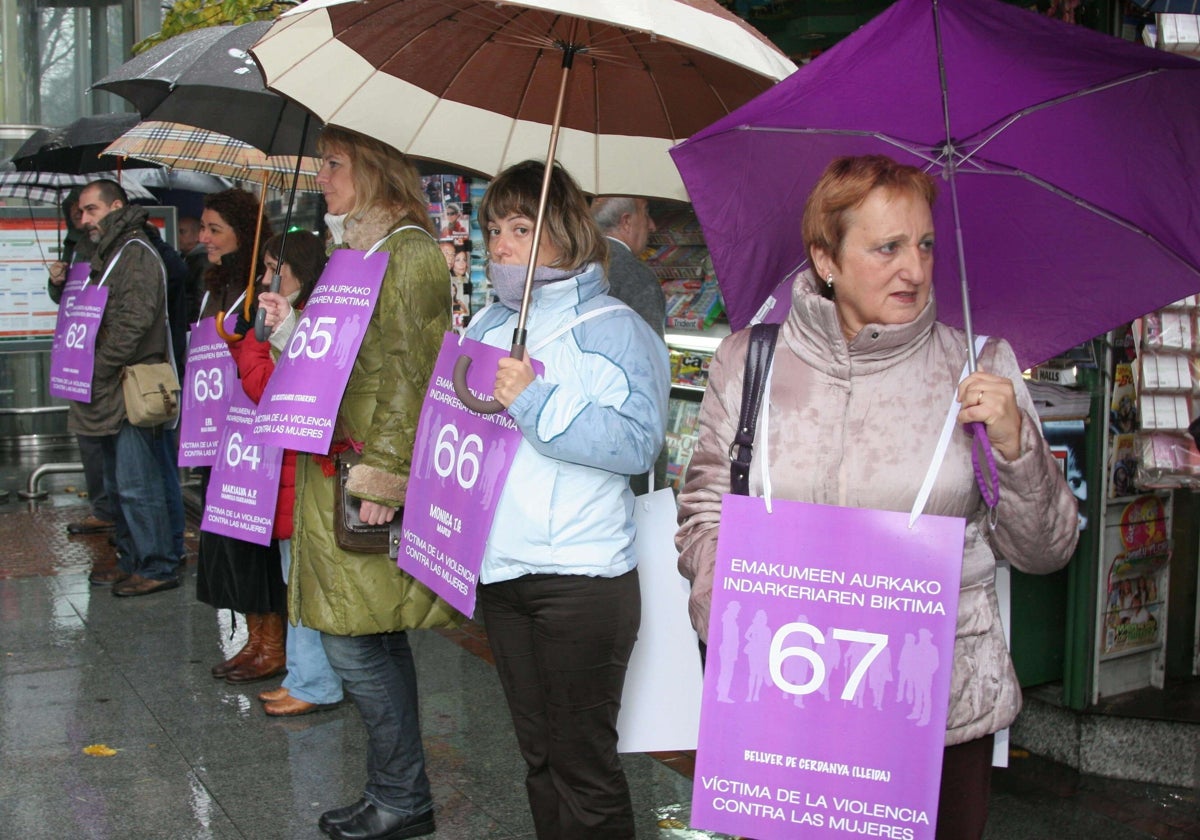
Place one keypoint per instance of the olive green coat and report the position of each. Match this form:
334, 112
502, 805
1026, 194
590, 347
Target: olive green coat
350, 594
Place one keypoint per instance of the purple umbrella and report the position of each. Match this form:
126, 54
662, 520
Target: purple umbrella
1069, 163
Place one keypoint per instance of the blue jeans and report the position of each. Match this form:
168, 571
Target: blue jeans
309, 675
141, 498
91, 453
168, 461
378, 673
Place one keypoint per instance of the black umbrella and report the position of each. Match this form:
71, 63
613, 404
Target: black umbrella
77, 148
207, 78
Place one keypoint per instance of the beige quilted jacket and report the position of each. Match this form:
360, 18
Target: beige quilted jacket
855, 425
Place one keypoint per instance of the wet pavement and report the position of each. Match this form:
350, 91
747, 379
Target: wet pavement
197, 758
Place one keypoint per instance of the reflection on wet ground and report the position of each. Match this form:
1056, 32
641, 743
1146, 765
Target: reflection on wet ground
197, 758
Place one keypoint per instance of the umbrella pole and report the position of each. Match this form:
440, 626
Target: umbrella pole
262, 204
220, 321
520, 334
982, 458
260, 319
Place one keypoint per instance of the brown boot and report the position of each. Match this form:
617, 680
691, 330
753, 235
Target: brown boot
248, 652
270, 659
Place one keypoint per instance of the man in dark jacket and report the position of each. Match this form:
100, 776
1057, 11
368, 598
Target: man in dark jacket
76, 247
627, 224
137, 470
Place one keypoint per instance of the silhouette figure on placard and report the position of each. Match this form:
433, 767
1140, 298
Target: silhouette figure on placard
423, 455
796, 669
492, 464
831, 655
924, 665
727, 653
854, 654
904, 688
758, 651
344, 345
879, 674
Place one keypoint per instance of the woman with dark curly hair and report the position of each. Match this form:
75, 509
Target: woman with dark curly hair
234, 574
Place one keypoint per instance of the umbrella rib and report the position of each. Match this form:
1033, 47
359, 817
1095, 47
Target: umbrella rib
999, 127
920, 150
1084, 204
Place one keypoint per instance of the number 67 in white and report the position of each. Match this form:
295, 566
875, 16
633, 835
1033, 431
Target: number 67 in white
877, 641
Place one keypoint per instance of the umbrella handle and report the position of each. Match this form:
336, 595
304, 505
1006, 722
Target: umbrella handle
232, 338
987, 479
261, 331
492, 406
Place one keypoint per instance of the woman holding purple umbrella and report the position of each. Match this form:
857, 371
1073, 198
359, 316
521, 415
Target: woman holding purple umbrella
862, 377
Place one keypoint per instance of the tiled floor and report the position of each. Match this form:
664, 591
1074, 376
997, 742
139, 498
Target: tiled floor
196, 758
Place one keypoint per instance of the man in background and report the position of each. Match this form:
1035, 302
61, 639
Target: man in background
139, 476
76, 247
197, 261
627, 224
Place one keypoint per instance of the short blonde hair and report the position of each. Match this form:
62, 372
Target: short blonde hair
569, 222
844, 185
382, 175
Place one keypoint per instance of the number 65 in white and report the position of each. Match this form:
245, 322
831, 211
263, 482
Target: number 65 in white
877, 641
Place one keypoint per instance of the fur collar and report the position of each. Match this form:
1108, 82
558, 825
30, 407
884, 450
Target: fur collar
367, 228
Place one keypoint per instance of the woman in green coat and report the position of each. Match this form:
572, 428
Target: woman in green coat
362, 603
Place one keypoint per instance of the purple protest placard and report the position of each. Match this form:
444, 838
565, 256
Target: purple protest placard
300, 404
210, 377
73, 353
460, 462
244, 485
830, 649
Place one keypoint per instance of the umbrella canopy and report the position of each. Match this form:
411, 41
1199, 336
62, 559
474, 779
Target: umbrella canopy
476, 82
77, 147
186, 147
206, 78
50, 187
1073, 155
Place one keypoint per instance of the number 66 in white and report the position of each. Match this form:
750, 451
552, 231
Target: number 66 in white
877, 641
464, 462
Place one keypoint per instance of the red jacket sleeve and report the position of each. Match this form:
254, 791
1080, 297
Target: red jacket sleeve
254, 364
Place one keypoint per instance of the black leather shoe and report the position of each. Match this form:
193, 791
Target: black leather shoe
339, 815
372, 823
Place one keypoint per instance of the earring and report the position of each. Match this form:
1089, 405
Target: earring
829, 278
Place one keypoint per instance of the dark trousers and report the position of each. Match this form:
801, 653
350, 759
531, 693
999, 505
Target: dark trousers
562, 646
378, 674
966, 784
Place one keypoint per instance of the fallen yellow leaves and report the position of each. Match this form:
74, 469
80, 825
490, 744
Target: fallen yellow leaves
99, 749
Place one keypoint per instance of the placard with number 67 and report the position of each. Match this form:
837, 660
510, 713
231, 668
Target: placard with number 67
830, 647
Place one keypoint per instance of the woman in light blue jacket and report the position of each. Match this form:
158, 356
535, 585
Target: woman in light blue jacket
559, 589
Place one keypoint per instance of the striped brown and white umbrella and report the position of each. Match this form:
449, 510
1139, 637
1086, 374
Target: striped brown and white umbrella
481, 83
603, 87
179, 146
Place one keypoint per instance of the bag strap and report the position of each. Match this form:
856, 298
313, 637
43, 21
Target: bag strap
379, 244
758, 362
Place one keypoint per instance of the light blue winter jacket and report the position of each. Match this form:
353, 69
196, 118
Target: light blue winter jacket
597, 415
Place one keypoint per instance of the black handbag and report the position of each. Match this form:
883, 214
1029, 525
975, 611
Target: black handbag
349, 531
